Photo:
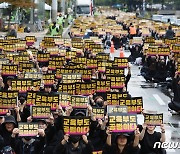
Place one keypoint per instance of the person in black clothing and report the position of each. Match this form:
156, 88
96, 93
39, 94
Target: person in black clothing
74, 145
169, 33
175, 104
122, 145
6, 130
13, 32
148, 137
117, 41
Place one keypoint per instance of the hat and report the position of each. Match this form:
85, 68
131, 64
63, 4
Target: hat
122, 134
10, 119
42, 120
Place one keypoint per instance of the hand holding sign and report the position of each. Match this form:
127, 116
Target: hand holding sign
15, 132
84, 137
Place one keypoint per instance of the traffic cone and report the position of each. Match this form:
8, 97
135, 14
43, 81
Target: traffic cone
112, 48
121, 54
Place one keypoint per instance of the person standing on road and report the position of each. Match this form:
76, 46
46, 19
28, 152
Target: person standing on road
169, 33
60, 20
12, 32
54, 30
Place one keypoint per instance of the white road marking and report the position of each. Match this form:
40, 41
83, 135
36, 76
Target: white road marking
141, 78
170, 150
159, 100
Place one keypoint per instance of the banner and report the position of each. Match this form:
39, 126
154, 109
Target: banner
98, 112
9, 47
79, 60
85, 89
8, 70
3, 61
64, 99
78, 45
67, 87
116, 109
20, 46
21, 85
134, 104
53, 65
153, 119
120, 62
71, 77
47, 99
103, 85
70, 54
53, 51
28, 129
48, 79
122, 122
43, 57
163, 51
176, 48
31, 97
79, 101
76, 125
114, 71
41, 112
117, 81
113, 97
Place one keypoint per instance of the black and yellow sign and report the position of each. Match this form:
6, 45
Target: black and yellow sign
54, 64
153, 119
134, 104
9, 47
28, 129
48, 79
46, 99
120, 62
103, 85
20, 58
149, 40
41, 112
9, 69
67, 87
114, 71
36, 84
178, 68
116, 109
64, 99
31, 97
103, 64
176, 48
163, 51
117, 81
8, 94
26, 66
113, 97
3, 111
70, 54
3, 61
86, 73
8, 103
98, 112
79, 101
76, 125
53, 51
60, 71
20, 46
33, 75
71, 77
30, 39
43, 57
78, 45
49, 45
103, 56
122, 122
170, 41
79, 60
92, 63
85, 88
22, 85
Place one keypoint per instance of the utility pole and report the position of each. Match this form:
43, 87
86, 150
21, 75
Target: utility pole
54, 10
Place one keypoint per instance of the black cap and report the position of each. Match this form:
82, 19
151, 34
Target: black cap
10, 119
42, 120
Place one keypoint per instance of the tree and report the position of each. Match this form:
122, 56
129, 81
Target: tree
17, 4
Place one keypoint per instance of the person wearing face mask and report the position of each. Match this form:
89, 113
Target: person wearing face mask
161, 73
74, 145
148, 137
6, 130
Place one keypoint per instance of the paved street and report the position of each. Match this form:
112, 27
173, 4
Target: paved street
154, 100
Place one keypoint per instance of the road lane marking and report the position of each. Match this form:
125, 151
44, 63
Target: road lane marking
159, 100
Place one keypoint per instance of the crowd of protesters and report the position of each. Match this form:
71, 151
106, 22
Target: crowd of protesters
51, 137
